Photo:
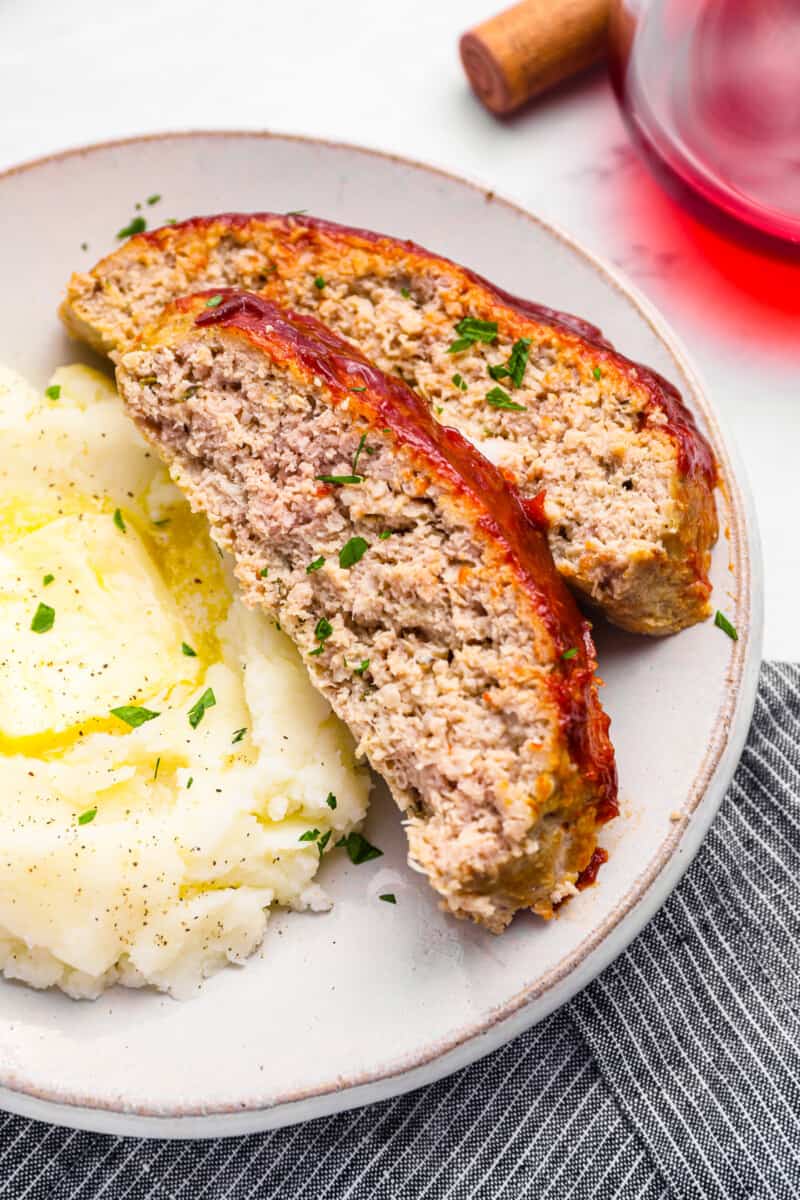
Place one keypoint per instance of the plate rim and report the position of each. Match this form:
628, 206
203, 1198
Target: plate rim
646, 893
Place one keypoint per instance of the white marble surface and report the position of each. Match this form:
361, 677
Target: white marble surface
388, 76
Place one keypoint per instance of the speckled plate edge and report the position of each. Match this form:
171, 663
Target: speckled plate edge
648, 890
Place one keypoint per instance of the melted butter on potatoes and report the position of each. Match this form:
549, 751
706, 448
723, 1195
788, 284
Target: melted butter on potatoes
141, 849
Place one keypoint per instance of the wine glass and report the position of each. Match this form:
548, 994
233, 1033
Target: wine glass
710, 90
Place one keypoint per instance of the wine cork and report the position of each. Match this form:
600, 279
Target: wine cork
528, 48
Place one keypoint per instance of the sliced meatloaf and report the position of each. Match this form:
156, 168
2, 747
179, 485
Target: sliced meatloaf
628, 478
421, 594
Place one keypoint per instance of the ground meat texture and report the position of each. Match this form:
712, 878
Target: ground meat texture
421, 595
628, 479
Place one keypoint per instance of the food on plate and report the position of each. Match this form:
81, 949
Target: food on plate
165, 760
628, 479
419, 589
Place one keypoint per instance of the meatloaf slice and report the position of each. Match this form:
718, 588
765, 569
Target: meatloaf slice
422, 596
627, 476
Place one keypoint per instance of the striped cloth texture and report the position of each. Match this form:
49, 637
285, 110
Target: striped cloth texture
674, 1076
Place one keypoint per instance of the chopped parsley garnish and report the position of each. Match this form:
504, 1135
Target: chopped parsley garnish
189, 782
214, 302
352, 552
84, 245
598, 374
319, 282
198, 710
323, 841
384, 535
330, 800
722, 622
471, 330
500, 399
362, 667
358, 389
514, 369
87, 816
53, 392
137, 225
340, 480
359, 850
188, 651
571, 653
388, 897
263, 573
119, 520
439, 409
154, 199
48, 579
315, 565
405, 293
43, 618
238, 735
164, 521
460, 382
296, 212
357, 454
310, 835
322, 631
155, 772
134, 715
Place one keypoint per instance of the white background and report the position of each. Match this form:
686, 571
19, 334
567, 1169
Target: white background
388, 75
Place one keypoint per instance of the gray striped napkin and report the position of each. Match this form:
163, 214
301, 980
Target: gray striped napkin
676, 1074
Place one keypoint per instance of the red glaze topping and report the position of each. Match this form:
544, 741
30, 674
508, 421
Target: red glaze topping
387, 402
535, 510
695, 456
588, 875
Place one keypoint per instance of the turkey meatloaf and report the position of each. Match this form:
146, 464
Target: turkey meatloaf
419, 590
628, 478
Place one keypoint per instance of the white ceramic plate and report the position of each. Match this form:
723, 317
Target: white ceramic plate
372, 1000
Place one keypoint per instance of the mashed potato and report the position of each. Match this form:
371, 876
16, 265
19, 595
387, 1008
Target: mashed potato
168, 772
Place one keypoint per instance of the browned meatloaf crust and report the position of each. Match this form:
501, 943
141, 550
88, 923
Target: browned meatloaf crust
420, 592
628, 479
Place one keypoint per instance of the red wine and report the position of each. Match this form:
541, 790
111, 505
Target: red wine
710, 90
